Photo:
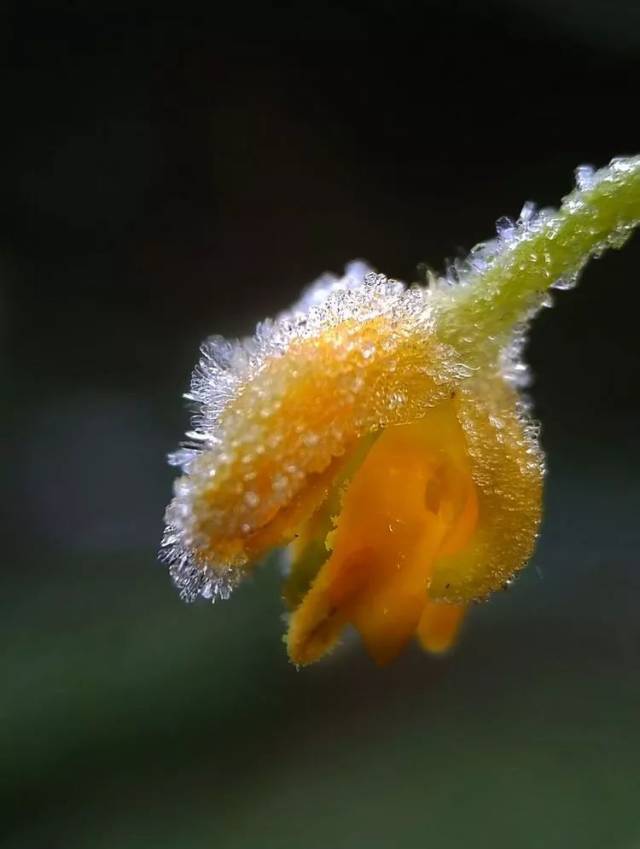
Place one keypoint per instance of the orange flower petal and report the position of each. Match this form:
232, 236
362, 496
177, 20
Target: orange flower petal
411, 498
439, 626
508, 467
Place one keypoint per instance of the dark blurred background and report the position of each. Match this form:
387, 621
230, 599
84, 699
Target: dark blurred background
168, 173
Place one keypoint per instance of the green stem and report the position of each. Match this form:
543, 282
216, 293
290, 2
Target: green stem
493, 299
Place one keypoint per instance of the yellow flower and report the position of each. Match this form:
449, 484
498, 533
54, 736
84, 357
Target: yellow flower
378, 431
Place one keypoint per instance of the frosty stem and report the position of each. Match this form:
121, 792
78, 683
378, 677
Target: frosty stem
600, 213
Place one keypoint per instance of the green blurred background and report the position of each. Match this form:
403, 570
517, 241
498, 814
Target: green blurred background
170, 172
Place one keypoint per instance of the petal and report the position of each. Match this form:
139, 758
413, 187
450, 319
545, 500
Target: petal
412, 497
298, 400
308, 551
439, 626
508, 467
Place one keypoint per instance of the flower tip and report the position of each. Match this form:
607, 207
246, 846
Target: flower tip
439, 626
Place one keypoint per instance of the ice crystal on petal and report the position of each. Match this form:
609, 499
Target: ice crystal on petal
506, 229
193, 579
585, 175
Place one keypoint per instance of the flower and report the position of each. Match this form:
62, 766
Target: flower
379, 431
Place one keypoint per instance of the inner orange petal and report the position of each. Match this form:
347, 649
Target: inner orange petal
439, 625
411, 498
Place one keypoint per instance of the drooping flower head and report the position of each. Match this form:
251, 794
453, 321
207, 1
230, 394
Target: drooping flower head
379, 432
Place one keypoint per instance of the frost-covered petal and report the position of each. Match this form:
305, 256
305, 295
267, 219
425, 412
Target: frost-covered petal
362, 358
507, 466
